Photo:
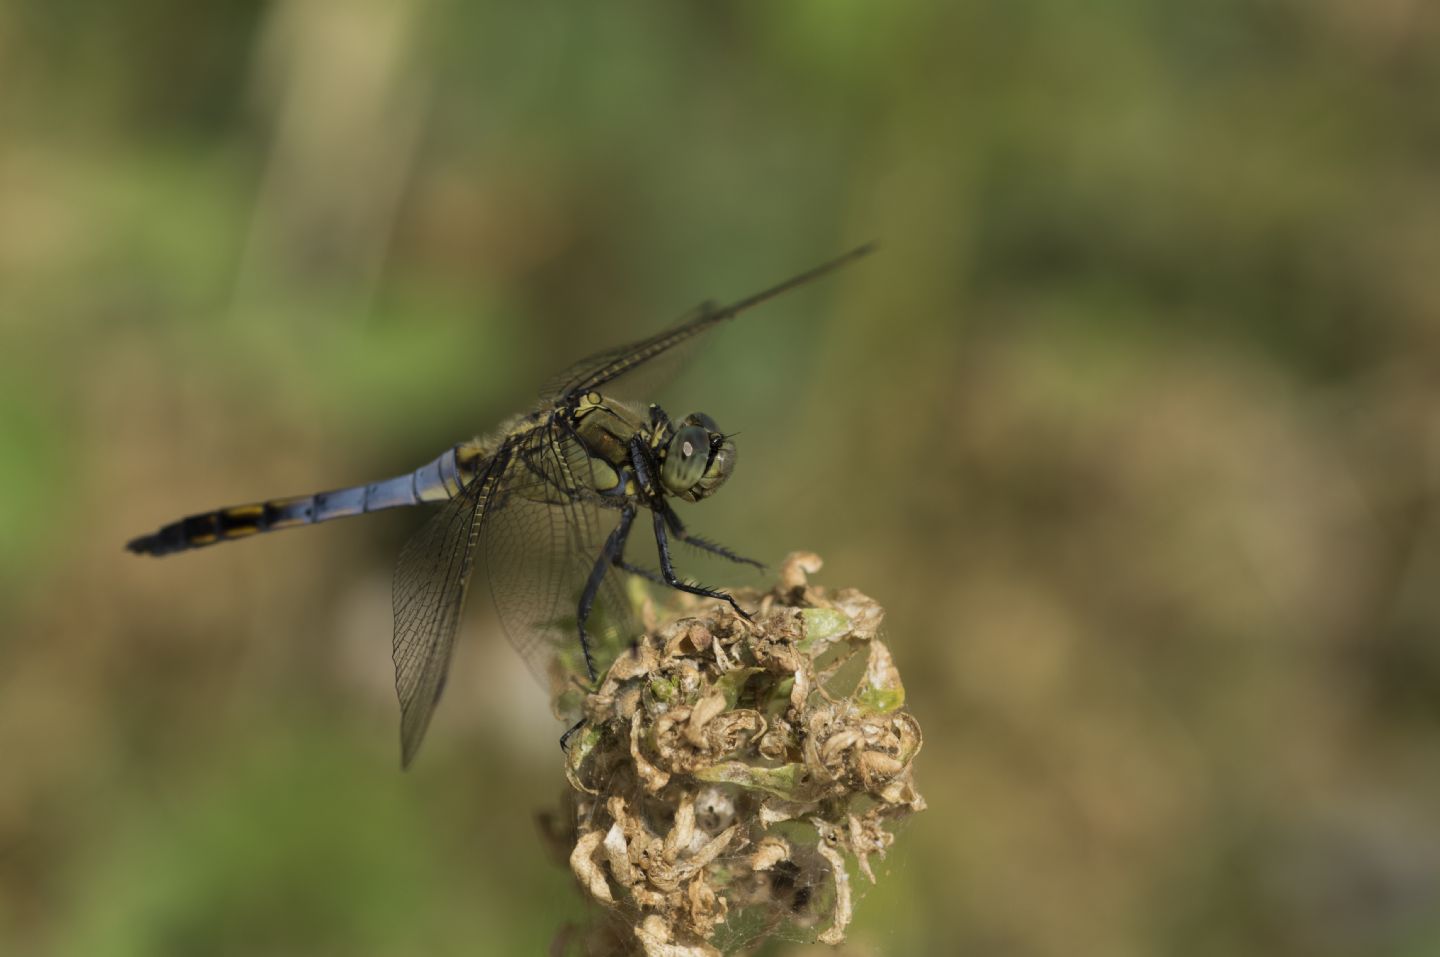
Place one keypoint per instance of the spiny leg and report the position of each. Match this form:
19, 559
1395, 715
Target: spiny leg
667, 569
642, 571
609, 555
677, 529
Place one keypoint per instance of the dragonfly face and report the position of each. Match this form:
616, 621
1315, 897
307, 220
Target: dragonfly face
698, 459
546, 505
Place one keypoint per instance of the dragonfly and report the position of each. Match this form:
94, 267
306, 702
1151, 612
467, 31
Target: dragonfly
544, 505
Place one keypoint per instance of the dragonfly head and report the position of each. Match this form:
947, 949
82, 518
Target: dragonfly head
698, 458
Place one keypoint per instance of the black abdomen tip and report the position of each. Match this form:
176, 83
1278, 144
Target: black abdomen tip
158, 544
171, 538
144, 545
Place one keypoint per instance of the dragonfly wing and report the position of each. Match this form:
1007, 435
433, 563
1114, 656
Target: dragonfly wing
605, 367
431, 580
542, 537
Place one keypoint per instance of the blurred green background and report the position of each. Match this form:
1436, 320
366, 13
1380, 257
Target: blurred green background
1133, 425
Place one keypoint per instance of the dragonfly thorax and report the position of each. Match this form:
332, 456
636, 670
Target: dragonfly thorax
689, 459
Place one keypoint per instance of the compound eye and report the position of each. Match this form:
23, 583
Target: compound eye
722, 463
702, 420
686, 459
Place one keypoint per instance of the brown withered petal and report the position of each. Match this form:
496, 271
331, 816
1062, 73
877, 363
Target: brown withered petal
653, 778
843, 908
706, 709
587, 871
654, 936
796, 568
771, 851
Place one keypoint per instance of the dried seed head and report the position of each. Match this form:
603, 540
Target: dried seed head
728, 770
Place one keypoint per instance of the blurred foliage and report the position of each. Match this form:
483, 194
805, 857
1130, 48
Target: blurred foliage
1131, 425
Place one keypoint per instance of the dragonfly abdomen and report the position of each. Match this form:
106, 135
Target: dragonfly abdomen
435, 481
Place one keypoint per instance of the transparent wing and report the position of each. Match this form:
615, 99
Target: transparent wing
605, 367
431, 580
542, 537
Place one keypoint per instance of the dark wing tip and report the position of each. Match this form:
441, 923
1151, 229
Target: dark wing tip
795, 282
412, 733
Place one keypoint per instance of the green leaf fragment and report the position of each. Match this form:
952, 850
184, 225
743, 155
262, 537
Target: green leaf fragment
785, 781
662, 688
731, 683
580, 746
822, 626
780, 697
877, 699
880, 688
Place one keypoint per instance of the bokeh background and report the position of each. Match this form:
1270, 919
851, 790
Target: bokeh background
1133, 424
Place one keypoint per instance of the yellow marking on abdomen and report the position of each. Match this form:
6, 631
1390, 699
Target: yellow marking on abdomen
237, 521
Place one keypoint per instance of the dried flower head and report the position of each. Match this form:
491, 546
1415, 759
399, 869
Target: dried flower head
727, 770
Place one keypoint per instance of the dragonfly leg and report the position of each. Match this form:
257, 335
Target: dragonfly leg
678, 530
667, 569
610, 555
570, 733
642, 571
